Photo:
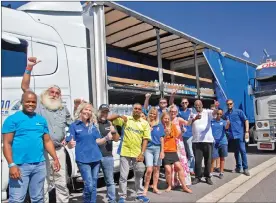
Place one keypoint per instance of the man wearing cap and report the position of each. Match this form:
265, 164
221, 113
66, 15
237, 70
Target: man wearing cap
58, 118
107, 162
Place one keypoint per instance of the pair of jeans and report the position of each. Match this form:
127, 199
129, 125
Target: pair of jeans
89, 173
139, 170
32, 177
107, 164
189, 151
152, 156
240, 154
203, 149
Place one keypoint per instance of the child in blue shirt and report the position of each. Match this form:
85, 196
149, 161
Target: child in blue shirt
220, 150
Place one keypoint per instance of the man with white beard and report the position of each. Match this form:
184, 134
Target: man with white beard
49, 105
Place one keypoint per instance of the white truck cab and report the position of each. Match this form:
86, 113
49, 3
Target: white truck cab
55, 33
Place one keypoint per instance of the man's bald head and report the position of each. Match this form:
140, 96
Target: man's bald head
198, 102
26, 94
29, 101
198, 105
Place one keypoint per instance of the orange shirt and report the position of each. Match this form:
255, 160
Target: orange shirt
170, 140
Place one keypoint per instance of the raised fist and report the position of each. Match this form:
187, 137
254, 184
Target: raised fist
148, 95
174, 91
32, 61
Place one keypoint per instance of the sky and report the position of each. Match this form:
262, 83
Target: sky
234, 27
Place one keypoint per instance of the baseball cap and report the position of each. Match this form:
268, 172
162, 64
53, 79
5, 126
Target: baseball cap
104, 107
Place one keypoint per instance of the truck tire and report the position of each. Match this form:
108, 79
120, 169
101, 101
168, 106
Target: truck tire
252, 138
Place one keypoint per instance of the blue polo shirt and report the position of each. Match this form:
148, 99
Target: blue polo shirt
185, 115
237, 119
156, 133
218, 130
27, 144
87, 150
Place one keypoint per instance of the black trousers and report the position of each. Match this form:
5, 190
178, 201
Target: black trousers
203, 149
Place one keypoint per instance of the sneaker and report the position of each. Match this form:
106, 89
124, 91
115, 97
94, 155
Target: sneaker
196, 181
237, 170
121, 200
221, 175
246, 172
217, 170
192, 173
211, 174
209, 181
143, 199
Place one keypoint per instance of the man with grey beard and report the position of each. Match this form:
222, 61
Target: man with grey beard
49, 105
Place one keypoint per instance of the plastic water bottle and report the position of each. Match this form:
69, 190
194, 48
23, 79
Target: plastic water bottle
115, 108
156, 84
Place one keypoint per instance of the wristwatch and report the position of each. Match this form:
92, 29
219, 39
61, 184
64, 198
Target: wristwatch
143, 153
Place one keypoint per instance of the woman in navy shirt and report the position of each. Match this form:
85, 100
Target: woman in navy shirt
155, 150
85, 137
220, 149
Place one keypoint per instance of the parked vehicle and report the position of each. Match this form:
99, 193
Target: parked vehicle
106, 53
264, 93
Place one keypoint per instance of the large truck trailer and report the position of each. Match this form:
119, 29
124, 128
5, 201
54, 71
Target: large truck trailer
106, 53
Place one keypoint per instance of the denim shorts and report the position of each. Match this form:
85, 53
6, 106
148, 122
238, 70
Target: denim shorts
220, 151
152, 154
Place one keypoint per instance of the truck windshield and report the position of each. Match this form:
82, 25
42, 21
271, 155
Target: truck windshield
266, 87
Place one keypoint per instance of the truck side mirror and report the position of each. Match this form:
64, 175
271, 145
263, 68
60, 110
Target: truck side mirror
250, 90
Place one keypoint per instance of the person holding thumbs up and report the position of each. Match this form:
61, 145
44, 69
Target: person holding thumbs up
85, 137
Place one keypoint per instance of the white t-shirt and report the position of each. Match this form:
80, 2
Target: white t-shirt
201, 128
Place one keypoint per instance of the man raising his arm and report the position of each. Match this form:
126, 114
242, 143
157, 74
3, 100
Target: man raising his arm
58, 118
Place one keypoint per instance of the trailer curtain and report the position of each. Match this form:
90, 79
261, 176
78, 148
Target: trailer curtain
232, 77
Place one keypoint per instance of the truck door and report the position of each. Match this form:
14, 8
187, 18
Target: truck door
52, 70
15, 51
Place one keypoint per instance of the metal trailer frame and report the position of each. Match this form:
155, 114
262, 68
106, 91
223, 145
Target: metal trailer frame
98, 46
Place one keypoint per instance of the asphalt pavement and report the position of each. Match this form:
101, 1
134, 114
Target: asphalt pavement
255, 158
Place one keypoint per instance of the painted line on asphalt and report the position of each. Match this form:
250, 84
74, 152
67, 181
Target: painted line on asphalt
220, 193
236, 194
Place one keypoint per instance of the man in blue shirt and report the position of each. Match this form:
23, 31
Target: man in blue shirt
25, 136
162, 106
239, 131
185, 112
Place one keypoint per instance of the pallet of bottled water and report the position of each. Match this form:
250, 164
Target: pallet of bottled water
121, 109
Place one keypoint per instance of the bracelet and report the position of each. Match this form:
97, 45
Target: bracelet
28, 72
11, 165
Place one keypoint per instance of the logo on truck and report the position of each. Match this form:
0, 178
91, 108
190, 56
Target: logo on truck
9, 108
271, 64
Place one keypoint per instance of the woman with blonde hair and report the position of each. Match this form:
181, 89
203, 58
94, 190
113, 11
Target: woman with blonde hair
181, 152
155, 151
171, 160
85, 137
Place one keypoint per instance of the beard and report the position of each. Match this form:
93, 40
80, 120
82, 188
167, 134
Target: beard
50, 103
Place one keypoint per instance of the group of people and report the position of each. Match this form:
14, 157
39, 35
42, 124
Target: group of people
176, 137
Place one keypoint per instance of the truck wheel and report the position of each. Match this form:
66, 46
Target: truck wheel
252, 137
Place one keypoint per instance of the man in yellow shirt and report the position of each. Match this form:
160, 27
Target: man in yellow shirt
136, 133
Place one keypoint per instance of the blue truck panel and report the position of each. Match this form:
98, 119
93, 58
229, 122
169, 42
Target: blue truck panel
232, 78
